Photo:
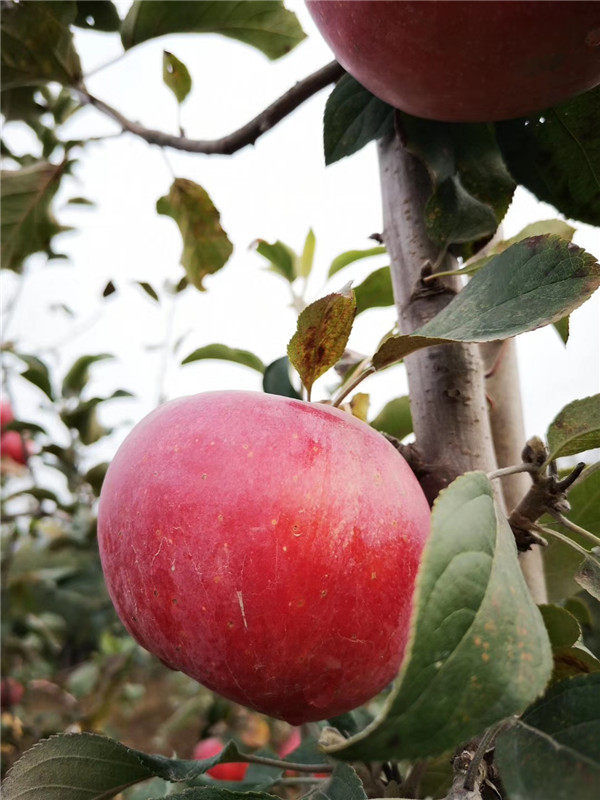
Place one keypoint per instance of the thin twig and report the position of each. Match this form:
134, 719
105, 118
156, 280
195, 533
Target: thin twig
500, 473
247, 134
252, 758
484, 745
106, 64
351, 385
565, 522
585, 473
563, 538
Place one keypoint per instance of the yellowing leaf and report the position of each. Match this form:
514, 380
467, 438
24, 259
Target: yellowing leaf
206, 247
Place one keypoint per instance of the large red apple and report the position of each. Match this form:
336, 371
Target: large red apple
465, 61
267, 547
236, 771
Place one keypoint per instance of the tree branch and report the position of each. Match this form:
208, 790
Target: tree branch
247, 134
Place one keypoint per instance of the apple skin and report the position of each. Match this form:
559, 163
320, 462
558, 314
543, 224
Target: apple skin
266, 547
13, 447
6, 414
223, 772
464, 61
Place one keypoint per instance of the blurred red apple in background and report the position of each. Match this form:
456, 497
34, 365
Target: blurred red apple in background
6, 414
266, 547
13, 447
465, 61
223, 772
11, 693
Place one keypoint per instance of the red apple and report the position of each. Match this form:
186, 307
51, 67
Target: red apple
290, 744
465, 61
223, 772
6, 414
11, 693
13, 447
266, 547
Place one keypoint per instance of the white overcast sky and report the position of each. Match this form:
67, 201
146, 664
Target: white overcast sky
275, 190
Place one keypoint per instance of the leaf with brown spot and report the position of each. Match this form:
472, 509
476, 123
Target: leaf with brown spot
206, 246
320, 339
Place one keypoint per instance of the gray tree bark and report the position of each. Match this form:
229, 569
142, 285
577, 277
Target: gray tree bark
447, 387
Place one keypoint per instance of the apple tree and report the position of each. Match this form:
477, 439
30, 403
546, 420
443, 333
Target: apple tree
466, 666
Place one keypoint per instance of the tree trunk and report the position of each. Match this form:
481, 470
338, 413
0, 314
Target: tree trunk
508, 432
447, 387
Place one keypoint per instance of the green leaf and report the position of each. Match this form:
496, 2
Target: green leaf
395, 418
86, 766
97, 15
531, 284
74, 767
472, 188
560, 560
268, 26
79, 373
22, 425
349, 257
588, 574
562, 328
562, 627
478, 650
149, 289
353, 118
20, 104
28, 223
225, 353
554, 226
37, 373
344, 784
576, 428
95, 476
176, 76
321, 336
305, 263
37, 45
553, 752
559, 159
375, 291
206, 247
276, 379
281, 258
